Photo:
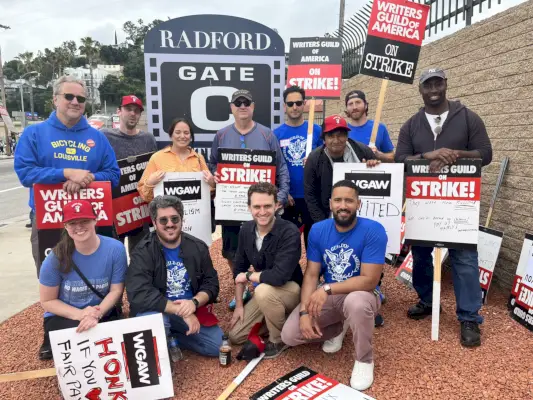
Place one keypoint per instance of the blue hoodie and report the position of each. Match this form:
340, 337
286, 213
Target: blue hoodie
46, 149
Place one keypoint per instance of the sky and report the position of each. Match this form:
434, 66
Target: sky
37, 24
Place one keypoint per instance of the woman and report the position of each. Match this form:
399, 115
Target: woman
67, 300
178, 157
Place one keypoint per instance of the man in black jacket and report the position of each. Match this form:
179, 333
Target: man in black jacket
171, 272
272, 246
443, 131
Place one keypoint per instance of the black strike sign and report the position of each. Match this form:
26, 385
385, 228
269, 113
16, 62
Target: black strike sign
185, 190
371, 185
141, 358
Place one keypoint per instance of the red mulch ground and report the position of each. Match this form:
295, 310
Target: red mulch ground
408, 364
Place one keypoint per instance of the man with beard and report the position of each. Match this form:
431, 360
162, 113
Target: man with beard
171, 272
292, 137
245, 133
273, 247
349, 252
361, 127
444, 131
129, 141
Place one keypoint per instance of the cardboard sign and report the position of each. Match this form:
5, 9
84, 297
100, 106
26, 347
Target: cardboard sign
49, 201
380, 192
442, 209
404, 273
315, 64
195, 195
48, 238
194, 64
488, 248
521, 300
238, 169
126, 359
303, 383
4, 115
395, 33
130, 210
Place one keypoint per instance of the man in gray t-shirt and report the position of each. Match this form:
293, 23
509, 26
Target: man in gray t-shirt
130, 141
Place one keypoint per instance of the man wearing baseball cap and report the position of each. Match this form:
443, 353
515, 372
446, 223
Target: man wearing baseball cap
442, 132
129, 141
361, 127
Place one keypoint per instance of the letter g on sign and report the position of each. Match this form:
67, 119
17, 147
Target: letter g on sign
199, 107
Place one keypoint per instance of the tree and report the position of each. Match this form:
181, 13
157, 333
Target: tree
112, 55
90, 49
12, 69
135, 33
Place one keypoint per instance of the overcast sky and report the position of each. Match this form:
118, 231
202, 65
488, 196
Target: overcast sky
37, 24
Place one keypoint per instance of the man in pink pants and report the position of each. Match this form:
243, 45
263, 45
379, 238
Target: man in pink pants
349, 251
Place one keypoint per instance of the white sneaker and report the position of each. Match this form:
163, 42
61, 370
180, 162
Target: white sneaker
362, 375
335, 344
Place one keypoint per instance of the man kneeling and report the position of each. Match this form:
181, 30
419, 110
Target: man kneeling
272, 246
349, 252
171, 272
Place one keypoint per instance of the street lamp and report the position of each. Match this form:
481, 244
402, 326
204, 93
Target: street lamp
22, 96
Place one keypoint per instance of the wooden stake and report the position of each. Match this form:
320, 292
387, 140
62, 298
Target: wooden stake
435, 312
310, 125
238, 380
381, 100
20, 376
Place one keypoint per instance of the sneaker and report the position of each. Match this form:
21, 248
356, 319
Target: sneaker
470, 334
379, 321
419, 311
362, 375
28, 225
272, 350
45, 352
335, 344
246, 296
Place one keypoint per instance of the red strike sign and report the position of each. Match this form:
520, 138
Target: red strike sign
317, 80
131, 212
233, 174
448, 189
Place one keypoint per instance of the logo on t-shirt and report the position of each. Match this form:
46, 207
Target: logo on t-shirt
294, 150
341, 262
178, 283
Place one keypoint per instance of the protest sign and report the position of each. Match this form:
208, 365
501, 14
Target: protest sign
488, 248
395, 34
404, 273
304, 383
195, 195
380, 193
442, 209
194, 64
125, 359
129, 209
315, 64
238, 169
521, 300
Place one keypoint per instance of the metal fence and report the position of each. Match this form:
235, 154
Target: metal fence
442, 14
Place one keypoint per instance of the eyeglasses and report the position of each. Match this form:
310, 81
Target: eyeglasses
243, 143
70, 97
174, 219
292, 103
245, 102
438, 128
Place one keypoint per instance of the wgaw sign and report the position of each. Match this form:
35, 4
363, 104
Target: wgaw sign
194, 64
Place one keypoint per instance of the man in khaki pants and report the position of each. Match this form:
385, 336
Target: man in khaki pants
272, 247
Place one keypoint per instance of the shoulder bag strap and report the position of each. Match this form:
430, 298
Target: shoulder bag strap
84, 279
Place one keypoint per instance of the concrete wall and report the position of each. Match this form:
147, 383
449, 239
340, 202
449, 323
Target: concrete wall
490, 70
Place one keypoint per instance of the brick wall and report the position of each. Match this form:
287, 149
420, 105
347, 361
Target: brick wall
490, 70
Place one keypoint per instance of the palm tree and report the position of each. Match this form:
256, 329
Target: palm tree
90, 49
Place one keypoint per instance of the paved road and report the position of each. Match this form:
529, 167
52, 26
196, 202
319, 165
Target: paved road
13, 197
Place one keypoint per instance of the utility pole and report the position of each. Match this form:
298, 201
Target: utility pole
341, 18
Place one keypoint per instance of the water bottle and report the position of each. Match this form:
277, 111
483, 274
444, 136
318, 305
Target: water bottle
175, 351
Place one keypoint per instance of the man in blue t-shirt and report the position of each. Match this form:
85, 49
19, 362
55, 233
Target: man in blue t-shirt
349, 252
361, 127
292, 138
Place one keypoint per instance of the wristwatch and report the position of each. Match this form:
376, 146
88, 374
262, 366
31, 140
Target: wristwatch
327, 288
302, 313
196, 302
248, 274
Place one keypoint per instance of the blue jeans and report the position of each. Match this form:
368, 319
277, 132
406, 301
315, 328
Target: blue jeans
207, 342
465, 274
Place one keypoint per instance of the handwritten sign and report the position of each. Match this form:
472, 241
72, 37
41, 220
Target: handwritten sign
521, 300
488, 248
442, 209
126, 359
380, 192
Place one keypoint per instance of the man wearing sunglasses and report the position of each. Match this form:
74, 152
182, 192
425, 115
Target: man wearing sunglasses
171, 272
64, 149
292, 137
245, 133
444, 131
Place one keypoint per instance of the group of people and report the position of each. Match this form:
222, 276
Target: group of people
171, 272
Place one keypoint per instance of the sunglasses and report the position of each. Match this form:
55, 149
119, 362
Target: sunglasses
70, 97
292, 103
174, 219
245, 102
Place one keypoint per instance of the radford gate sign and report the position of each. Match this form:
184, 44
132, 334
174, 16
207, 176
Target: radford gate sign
194, 64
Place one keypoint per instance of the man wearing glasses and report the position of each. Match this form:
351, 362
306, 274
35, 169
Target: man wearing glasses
443, 131
292, 137
64, 149
245, 133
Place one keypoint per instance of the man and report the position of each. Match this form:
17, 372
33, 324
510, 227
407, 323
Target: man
64, 148
444, 131
292, 138
245, 133
361, 127
349, 252
273, 247
171, 272
129, 141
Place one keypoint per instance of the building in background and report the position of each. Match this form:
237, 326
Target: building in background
99, 74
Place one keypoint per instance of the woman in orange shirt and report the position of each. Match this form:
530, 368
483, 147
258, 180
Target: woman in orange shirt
178, 157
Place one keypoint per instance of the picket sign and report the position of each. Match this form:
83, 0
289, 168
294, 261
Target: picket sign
310, 125
377, 118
